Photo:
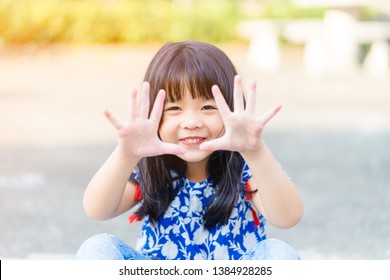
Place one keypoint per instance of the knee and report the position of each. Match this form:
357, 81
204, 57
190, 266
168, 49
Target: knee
281, 250
98, 240
93, 247
272, 249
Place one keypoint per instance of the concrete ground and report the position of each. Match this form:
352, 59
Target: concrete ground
332, 136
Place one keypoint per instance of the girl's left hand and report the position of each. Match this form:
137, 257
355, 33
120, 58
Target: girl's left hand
243, 128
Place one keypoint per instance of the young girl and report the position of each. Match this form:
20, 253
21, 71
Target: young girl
203, 179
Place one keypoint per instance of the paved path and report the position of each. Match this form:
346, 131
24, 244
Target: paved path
332, 136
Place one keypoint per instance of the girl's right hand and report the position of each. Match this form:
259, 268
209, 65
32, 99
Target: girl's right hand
138, 137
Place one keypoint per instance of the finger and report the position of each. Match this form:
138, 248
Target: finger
158, 106
251, 101
172, 149
238, 95
270, 114
220, 101
133, 105
214, 145
112, 119
144, 102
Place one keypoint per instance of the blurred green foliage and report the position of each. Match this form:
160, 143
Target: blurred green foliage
286, 10
127, 21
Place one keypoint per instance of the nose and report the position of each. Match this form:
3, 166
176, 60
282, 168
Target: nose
191, 121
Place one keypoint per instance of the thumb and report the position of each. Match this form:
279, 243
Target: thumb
172, 149
213, 145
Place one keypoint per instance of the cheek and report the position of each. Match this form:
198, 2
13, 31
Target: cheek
221, 132
219, 126
165, 131
161, 132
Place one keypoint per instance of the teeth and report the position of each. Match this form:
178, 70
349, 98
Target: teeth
192, 140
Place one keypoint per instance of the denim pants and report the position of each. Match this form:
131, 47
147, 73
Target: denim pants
108, 247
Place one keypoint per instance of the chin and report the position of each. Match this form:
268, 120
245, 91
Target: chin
195, 156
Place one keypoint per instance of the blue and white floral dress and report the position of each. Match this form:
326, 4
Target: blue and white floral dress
179, 233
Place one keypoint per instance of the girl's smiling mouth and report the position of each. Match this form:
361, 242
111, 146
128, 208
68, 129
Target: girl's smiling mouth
192, 141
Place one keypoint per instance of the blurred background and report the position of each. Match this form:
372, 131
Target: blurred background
327, 62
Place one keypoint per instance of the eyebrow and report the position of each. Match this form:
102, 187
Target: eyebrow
202, 98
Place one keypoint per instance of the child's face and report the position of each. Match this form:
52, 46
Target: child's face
189, 122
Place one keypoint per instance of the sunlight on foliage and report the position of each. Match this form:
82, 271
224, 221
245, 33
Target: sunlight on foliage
125, 21
91, 21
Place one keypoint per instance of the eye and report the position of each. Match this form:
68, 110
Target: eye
172, 108
209, 107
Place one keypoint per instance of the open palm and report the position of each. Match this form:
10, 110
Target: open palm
243, 128
139, 135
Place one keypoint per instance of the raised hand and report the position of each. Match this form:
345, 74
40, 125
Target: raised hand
138, 137
243, 128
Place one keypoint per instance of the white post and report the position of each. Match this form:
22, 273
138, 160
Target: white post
341, 42
264, 51
378, 59
314, 56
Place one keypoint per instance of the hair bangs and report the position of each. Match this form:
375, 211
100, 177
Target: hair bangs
190, 66
189, 74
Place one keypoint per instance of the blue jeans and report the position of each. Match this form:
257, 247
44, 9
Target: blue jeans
108, 247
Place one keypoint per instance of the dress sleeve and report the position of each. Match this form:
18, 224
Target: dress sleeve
134, 177
137, 193
246, 173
